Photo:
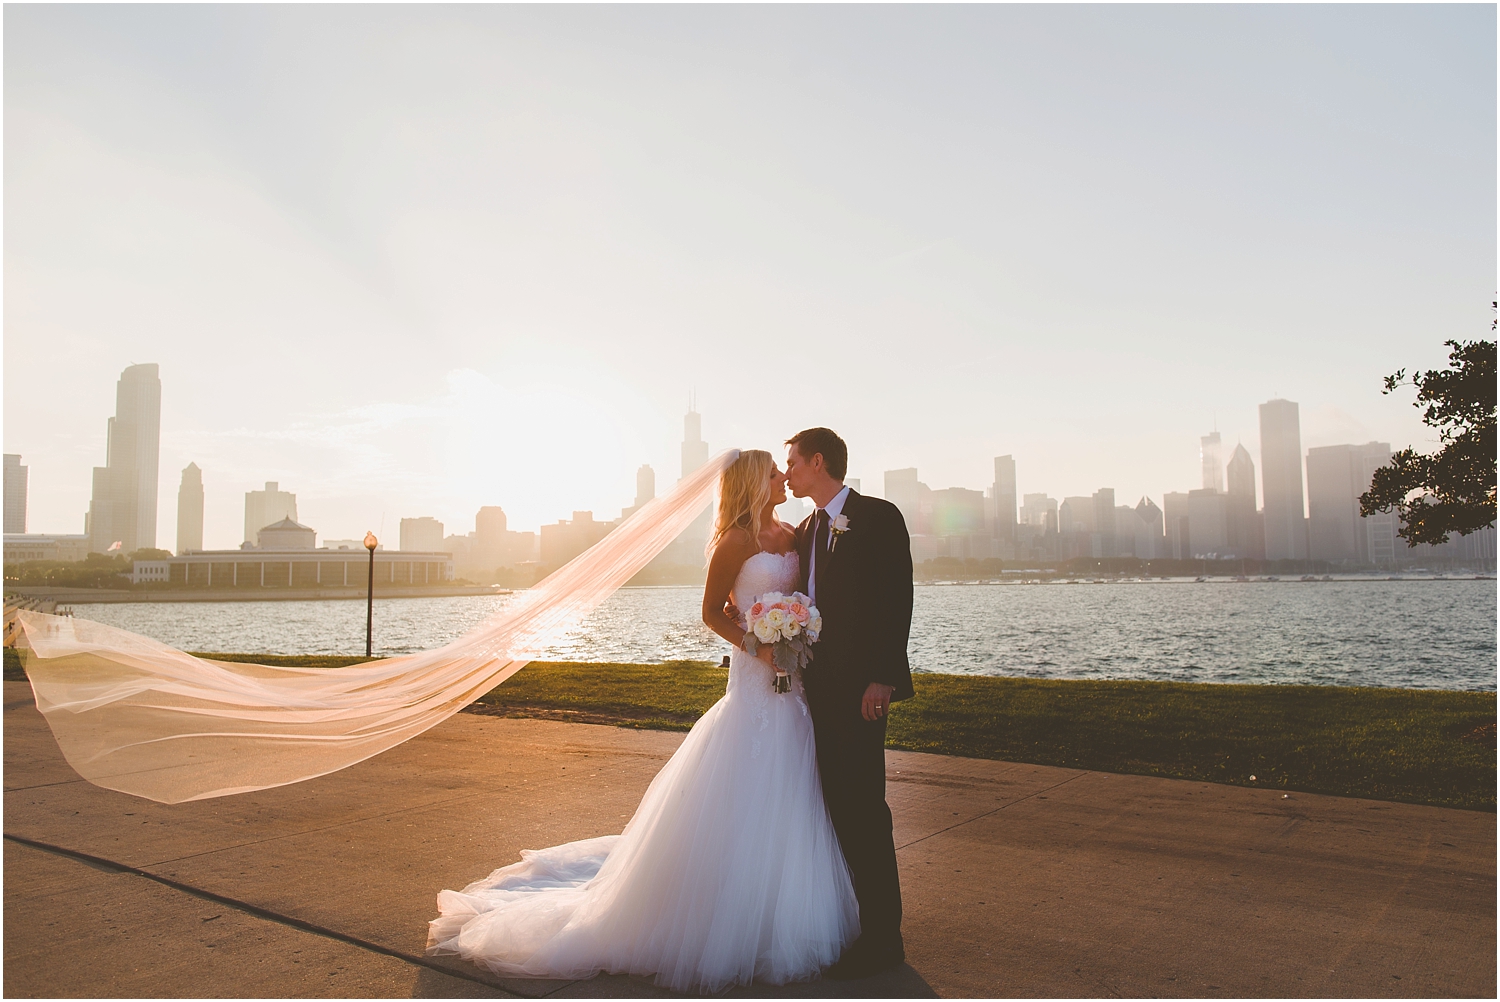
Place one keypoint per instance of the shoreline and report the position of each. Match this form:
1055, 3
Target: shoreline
1421, 746
115, 596
120, 596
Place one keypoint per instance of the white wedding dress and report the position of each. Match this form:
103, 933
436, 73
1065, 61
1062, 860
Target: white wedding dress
728, 872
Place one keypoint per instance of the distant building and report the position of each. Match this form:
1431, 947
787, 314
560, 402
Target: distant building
1246, 538
16, 477
694, 449
567, 539
1213, 462
687, 549
287, 535
190, 510
957, 511
1004, 495
1076, 515
1039, 510
1197, 525
264, 507
1336, 476
912, 497
1150, 536
1281, 481
45, 546
645, 491
1383, 544
1104, 542
357, 545
491, 546
853, 484
123, 507
269, 569
425, 534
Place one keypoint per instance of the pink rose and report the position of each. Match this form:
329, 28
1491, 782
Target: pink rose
799, 612
757, 610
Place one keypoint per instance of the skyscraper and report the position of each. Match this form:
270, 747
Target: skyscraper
1281, 480
1380, 529
1213, 462
1103, 543
1244, 521
1336, 476
264, 507
15, 493
645, 491
423, 534
912, 497
190, 510
1005, 498
123, 507
1039, 510
694, 449
688, 547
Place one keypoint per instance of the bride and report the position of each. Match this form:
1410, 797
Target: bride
729, 870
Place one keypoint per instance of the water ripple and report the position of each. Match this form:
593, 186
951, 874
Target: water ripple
1420, 634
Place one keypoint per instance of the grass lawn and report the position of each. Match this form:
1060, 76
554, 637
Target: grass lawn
1420, 746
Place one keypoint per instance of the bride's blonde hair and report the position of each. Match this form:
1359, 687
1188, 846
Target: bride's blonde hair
744, 491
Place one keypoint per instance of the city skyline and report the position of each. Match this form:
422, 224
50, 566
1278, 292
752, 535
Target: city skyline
421, 280
1311, 508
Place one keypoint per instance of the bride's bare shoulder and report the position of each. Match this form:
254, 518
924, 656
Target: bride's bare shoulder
736, 543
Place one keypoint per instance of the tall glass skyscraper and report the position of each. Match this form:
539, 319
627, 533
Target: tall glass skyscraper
123, 508
1281, 480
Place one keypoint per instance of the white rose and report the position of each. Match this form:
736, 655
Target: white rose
815, 627
841, 522
771, 597
777, 618
792, 627
764, 631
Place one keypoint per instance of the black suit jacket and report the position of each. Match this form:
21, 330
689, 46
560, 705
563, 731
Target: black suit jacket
865, 597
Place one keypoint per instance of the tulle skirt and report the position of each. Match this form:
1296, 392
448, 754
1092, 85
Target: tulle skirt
728, 872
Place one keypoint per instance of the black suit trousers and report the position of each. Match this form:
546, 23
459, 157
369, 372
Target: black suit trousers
851, 762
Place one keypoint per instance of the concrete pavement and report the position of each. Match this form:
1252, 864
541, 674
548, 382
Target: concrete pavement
1018, 880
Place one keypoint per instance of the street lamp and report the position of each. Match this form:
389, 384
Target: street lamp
370, 543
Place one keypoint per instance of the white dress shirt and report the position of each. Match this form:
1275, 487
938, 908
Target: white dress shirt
834, 508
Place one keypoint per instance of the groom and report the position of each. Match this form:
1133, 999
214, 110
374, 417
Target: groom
856, 567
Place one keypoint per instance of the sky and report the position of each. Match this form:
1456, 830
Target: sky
412, 260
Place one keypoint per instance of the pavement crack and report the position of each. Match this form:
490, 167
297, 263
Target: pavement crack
100, 863
986, 814
39, 786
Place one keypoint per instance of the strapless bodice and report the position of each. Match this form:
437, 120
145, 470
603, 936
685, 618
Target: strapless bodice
765, 572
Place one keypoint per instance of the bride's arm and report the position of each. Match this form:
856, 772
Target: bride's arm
733, 550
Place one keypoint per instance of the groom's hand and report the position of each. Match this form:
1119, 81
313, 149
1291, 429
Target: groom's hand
877, 701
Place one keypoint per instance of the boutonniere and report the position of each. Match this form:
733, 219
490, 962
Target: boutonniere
838, 526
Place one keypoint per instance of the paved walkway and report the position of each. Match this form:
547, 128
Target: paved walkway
1018, 879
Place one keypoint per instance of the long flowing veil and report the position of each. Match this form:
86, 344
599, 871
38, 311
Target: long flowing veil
137, 716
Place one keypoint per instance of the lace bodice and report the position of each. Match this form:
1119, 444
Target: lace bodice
759, 574
763, 572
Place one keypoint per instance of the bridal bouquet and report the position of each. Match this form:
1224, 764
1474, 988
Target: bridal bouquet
791, 624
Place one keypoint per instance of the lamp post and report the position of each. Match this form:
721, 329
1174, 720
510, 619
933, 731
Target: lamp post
370, 543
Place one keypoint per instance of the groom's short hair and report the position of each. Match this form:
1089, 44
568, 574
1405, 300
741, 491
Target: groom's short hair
824, 441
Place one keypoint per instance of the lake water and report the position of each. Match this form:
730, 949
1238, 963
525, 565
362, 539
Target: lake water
1412, 633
